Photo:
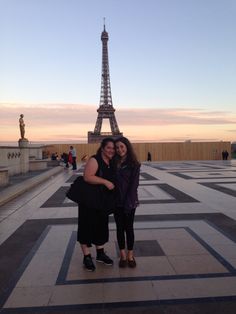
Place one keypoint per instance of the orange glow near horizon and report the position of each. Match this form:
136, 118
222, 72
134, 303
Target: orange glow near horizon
145, 133
72, 123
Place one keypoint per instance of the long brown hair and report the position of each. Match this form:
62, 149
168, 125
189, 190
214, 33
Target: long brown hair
131, 158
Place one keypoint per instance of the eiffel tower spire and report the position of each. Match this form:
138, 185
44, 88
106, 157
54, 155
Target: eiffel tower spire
106, 109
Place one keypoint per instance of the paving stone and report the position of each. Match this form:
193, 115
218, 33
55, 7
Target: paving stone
185, 254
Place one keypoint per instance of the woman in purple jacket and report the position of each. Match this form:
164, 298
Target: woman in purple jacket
127, 181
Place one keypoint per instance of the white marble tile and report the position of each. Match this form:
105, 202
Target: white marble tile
149, 266
228, 251
55, 212
181, 246
129, 291
152, 192
42, 271
77, 294
29, 297
196, 288
196, 264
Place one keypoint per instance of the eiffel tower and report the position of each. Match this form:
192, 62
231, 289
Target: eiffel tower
106, 109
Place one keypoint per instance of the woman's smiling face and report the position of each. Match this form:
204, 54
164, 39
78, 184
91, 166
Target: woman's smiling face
121, 149
109, 150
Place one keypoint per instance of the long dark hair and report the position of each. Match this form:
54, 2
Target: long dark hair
104, 143
131, 158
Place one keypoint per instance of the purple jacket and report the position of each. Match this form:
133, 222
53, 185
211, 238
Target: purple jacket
127, 182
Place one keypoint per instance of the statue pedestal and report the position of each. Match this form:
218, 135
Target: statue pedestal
23, 142
24, 154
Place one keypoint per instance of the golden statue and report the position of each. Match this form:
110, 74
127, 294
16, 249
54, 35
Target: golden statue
22, 127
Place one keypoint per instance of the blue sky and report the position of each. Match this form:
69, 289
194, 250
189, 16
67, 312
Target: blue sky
172, 56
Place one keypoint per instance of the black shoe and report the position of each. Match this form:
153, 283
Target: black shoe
88, 263
123, 263
132, 263
103, 258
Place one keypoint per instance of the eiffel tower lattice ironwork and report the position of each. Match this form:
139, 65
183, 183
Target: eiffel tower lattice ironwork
106, 109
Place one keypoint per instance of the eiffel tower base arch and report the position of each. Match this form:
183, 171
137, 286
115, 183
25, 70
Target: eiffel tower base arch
98, 137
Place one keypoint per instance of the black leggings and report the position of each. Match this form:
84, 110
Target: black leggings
124, 226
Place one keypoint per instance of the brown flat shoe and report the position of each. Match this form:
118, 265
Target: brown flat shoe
122, 263
132, 263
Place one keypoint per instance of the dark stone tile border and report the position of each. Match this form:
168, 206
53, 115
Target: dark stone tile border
224, 164
147, 177
57, 199
61, 280
217, 305
188, 177
179, 196
182, 166
147, 248
17, 249
217, 187
178, 167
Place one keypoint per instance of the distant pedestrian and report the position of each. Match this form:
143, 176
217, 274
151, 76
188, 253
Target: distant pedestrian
64, 158
225, 155
73, 155
149, 156
53, 156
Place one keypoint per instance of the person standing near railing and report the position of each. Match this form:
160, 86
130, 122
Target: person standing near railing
73, 155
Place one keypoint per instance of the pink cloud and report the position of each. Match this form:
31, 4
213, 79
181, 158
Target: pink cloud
64, 114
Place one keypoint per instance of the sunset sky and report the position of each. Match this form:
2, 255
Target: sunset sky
172, 68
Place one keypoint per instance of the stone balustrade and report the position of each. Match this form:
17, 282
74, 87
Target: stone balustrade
19, 159
4, 176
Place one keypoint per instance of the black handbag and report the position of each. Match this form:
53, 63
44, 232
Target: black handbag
93, 196
82, 192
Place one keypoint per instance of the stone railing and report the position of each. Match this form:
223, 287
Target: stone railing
4, 176
11, 158
17, 159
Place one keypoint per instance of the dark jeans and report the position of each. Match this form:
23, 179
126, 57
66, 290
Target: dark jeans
124, 227
74, 163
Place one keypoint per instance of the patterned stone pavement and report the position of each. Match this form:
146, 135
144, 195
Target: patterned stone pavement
185, 248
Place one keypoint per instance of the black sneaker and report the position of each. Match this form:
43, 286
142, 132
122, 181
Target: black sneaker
103, 258
88, 263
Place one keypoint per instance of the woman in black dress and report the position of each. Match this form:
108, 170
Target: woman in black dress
93, 223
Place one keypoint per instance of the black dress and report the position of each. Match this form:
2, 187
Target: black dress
93, 223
